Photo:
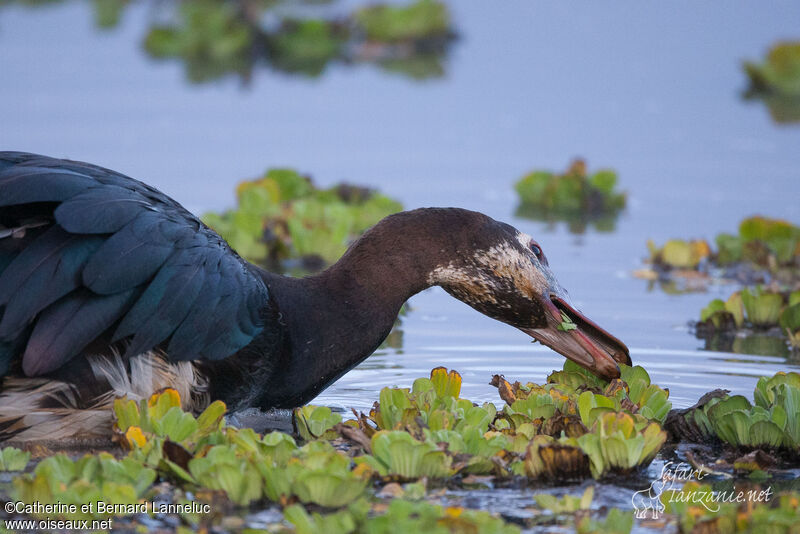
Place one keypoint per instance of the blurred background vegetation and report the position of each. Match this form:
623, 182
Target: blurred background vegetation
218, 38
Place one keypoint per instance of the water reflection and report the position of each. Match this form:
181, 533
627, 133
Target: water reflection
216, 39
762, 344
576, 222
782, 109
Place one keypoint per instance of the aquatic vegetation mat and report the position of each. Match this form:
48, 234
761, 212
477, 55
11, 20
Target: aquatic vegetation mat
765, 251
753, 310
284, 221
391, 469
575, 196
769, 424
235, 38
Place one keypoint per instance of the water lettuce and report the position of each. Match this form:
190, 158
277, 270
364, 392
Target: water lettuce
779, 73
397, 453
315, 422
283, 216
13, 459
756, 308
770, 423
574, 196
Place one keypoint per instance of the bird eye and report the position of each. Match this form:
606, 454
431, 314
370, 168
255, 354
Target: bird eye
537, 251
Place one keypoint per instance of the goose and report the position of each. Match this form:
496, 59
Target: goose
110, 288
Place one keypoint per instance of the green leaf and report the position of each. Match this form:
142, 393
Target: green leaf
13, 459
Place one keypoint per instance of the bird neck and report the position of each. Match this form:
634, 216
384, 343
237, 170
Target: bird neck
334, 320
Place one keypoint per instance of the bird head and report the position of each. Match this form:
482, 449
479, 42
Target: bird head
504, 273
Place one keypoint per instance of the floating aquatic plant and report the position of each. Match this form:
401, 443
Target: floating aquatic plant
766, 242
13, 459
756, 308
575, 196
284, 216
217, 39
616, 522
581, 425
433, 414
679, 254
318, 474
764, 251
780, 72
555, 459
770, 423
400, 516
762, 308
212, 39
617, 443
621, 443
161, 416
397, 453
316, 422
60, 480
421, 20
724, 314
567, 504
434, 401
221, 468
306, 46
776, 81
575, 390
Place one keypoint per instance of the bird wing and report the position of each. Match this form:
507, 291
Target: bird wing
87, 252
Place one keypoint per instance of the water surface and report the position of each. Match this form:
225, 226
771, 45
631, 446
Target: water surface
652, 90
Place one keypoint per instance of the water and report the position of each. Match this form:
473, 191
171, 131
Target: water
652, 90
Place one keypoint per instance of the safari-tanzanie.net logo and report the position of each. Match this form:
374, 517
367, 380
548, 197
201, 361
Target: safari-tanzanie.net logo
667, 488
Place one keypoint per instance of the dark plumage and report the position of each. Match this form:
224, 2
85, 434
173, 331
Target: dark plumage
107, 285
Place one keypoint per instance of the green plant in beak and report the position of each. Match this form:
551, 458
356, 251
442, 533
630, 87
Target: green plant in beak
566, 323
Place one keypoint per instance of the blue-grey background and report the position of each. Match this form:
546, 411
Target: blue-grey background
650, 89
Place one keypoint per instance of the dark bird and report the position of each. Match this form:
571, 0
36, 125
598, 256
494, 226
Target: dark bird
108, 288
